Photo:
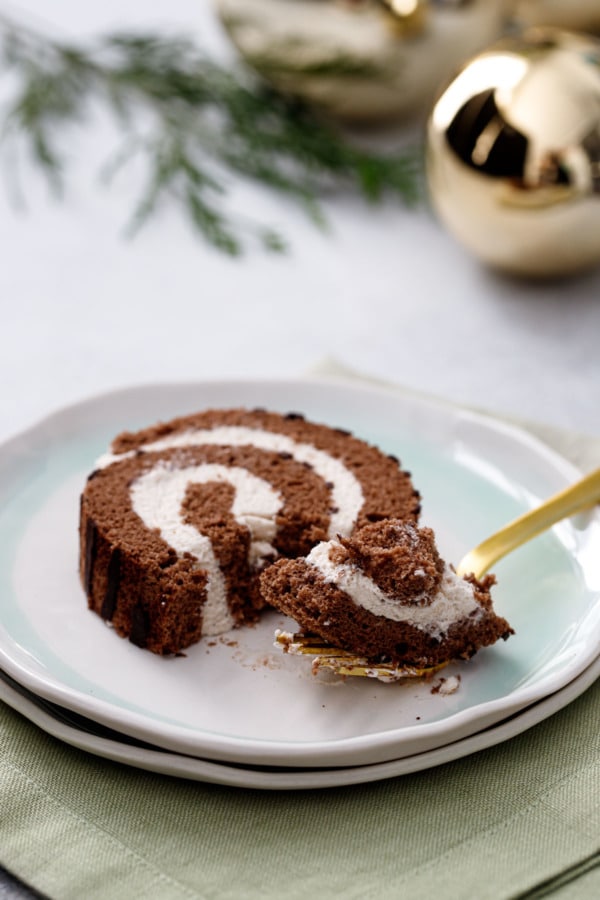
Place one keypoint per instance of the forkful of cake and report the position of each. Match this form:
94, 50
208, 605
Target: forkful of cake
383, 604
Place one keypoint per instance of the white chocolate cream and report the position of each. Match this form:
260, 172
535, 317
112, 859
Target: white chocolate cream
453, 602
157, 497
346, 493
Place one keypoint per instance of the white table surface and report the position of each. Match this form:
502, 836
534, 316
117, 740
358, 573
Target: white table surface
385, 290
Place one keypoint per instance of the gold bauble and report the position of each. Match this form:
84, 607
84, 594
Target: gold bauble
577, 15
361, 60
513, 154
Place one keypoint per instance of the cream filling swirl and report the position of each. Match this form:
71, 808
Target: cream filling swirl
346, 492
157, 497
453, 601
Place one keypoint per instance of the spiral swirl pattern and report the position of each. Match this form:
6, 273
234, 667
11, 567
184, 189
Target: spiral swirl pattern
178, 520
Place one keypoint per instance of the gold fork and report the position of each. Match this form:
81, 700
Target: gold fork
574, 499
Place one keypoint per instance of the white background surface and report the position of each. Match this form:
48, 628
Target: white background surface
385, 290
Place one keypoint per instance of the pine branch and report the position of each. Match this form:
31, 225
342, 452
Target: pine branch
193, 122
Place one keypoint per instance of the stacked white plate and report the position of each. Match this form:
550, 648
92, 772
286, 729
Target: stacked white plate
235, 710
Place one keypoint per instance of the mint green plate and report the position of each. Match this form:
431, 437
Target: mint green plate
68, 727
237, 699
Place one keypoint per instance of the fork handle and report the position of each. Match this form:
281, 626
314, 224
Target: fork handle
576, 498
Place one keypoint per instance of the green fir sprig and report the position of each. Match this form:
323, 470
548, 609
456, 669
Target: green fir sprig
193, 122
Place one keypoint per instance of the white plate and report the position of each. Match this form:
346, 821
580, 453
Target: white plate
57, 722
236, 699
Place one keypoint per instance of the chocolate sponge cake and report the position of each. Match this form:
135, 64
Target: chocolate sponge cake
178, 520
385, 594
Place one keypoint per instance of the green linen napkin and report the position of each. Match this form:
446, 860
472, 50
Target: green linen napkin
518, 820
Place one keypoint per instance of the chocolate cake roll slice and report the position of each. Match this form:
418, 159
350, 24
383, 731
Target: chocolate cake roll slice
179, 520
385, 594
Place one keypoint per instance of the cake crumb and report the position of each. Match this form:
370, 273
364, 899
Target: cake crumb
446, 686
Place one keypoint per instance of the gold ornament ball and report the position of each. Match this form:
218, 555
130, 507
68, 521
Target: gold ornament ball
513, 154
577, 15
361, 60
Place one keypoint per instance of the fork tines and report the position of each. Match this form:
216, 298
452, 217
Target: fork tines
342, 662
